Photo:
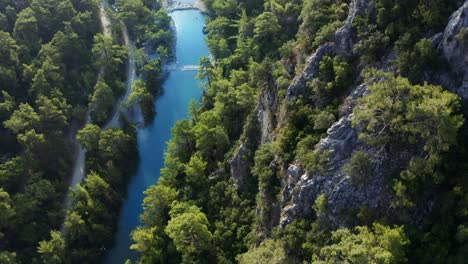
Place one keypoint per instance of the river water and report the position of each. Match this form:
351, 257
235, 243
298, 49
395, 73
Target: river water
180, 88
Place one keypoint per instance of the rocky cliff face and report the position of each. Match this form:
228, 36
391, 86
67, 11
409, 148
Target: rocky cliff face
265, 119
302, 189
269, 103
240, 166
298, 85
342, 195
345, 39
454, 50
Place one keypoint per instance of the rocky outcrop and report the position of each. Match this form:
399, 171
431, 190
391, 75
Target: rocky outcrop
240, 167
345, 37
266, 110
343, 196
299, 84
454, 50
264, 122
302, 189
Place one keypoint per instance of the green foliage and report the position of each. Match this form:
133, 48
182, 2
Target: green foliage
205, 70
396, 111
211, 139
54, 113
23, 118
26, 33
9, 61
335, 77
156, 205
245, 105
7, 209
267, 32
462, 36
52, 251
320, 205
89, 137
151, 72
269, 251
320, 19
86, 223
7, 106
324, 120
264, 169
141, 96
37, 210
414, 17
182, 144
379, 244
109, 55
148, 243
46, 67
188, 228
196, 179
414, 62
11, 172
114, 144
162, 39
135, 15
314, 161
422, 116
32, 141
8, 257
326, 33
359, 167
101, 103
372, 43
303, 239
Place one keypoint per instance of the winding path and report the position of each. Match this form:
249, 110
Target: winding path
79, 166
79, 170
131, 77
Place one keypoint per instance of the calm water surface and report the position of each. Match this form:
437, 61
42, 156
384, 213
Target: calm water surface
179, 89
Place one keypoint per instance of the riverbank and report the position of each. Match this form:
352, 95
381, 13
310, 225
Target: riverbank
79, 153
180, 88
78, 173
114, 122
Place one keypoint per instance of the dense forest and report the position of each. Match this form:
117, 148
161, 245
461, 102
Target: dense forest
330, 131
61, 68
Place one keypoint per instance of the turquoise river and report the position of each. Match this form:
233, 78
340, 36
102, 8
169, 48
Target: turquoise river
180, 87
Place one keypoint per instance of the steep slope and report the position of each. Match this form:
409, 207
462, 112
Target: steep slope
328, 131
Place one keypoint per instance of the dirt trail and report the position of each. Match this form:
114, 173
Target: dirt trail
131, 76
80, 153
79, 166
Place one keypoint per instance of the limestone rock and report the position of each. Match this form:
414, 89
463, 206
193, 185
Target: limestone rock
240, 167
454, 50
342, 195
299, 84
345, 37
